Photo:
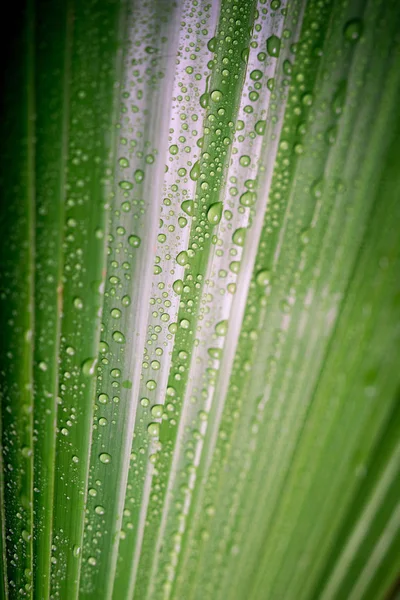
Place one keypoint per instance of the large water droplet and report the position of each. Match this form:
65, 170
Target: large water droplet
239, 236
105, 458
118, 337
195, 171
214, 213
89, 366
221, 328
188, 207
273, 46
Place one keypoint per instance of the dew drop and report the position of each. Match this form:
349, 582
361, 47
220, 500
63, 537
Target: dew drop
88, 366
221, 328
118, 337
214, 213
139, 175
273, 46
188, 207
157, 411
125, 185
153, 429
263, 277
260, 127
353, 30
182, 258
248, 198
195, 171
216, 96
134, 241
239, 236
105, 458
78, 303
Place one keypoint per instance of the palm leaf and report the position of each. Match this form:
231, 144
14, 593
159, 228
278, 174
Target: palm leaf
200, 300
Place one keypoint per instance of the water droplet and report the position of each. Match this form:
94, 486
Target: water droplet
204, 100
26, 452
123, 162
287, 67
214, 213
92, 561
178, 286
195, 171
260, 127
353, 30
89, 366
256, 75
212, 44
134, 241
103, 398
115, 313
307, 99
76, 551
239, 236
153, 429
273, 46
125, 185
216, 96
263, 277
118, 337
173, 149
139, 175
125, 300
188, 207
221, 328
248, 198
26, 536
215, 353
182, 258
99, 510
157, 411
305, 236
78, 303
105, 458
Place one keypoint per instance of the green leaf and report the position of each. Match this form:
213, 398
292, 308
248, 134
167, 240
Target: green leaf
199, 300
